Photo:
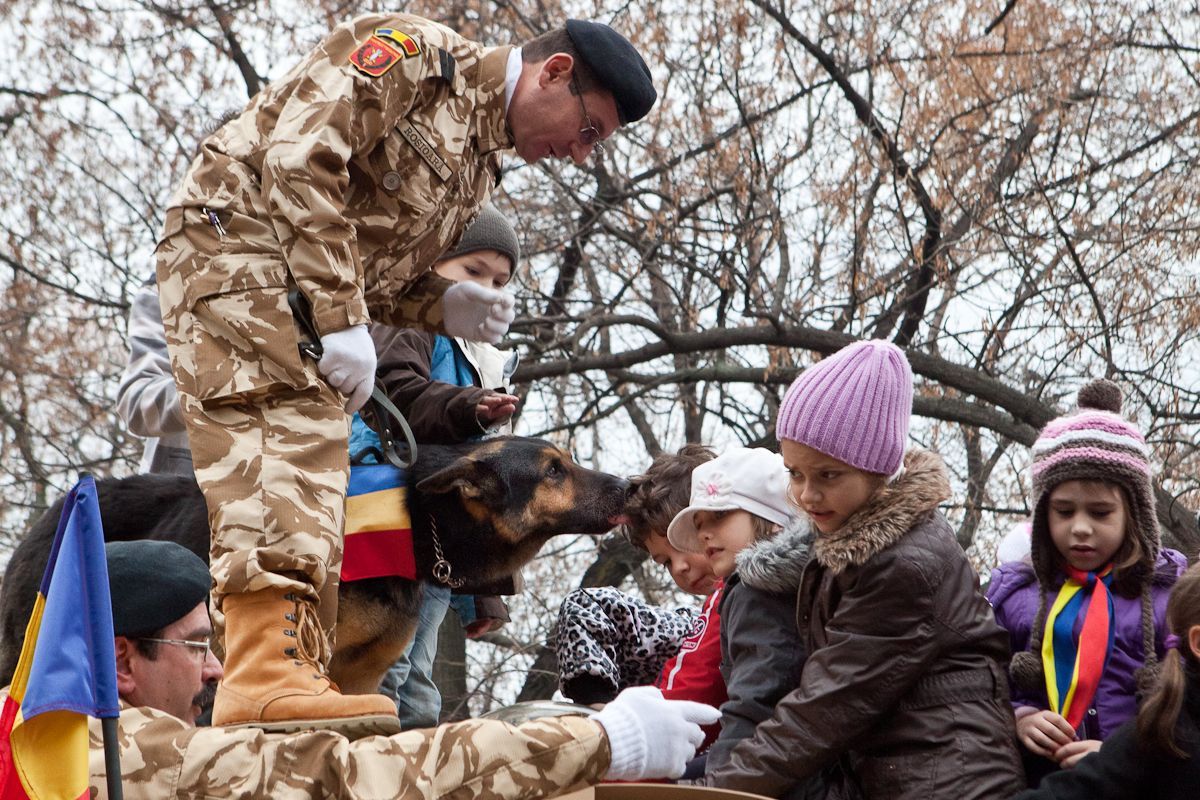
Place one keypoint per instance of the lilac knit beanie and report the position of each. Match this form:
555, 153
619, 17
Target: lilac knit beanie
854, 406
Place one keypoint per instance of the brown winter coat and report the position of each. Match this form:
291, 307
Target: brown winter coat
904, 690
438, 412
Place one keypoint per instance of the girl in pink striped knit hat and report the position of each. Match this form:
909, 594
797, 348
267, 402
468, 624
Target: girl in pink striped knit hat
904, 686
1086, 611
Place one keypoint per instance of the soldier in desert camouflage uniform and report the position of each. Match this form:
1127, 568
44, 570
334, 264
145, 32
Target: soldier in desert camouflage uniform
161, 757
161, 628
345, 178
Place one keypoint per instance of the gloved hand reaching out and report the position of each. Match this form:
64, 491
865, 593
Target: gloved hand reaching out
476, 312
348, 363
651, 737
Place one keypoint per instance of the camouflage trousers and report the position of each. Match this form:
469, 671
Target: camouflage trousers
268, 434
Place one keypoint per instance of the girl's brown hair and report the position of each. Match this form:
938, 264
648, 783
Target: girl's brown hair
1157, 718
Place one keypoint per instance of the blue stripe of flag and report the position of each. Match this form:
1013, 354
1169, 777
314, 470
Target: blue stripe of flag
369, 478
74, 662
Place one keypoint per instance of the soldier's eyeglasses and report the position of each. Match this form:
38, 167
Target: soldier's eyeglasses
590, 134
196, 647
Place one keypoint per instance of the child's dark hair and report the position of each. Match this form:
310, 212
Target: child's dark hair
660, 493
1158, 716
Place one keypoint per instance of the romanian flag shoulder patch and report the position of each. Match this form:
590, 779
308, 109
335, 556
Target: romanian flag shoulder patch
382, 51
406, 43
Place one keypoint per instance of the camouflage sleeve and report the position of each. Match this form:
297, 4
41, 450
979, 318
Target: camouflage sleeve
421, 305
334, 112
473, 760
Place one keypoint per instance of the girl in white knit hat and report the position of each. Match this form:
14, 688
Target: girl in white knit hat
740, 519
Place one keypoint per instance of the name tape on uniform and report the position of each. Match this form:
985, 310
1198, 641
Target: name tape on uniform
414, 137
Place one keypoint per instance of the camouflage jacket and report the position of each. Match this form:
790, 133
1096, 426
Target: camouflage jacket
358, 168
475, 760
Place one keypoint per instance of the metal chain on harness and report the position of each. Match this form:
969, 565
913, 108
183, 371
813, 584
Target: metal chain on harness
441, 567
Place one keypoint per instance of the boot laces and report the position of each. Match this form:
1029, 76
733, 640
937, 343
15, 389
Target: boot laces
311, 643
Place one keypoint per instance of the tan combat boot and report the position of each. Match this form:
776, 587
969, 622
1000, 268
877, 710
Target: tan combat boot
273, 680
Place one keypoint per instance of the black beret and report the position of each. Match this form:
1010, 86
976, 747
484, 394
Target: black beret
153, 584
617, 66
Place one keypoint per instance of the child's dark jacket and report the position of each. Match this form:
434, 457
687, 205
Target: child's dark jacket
1122, 769
762, 652
904, 687
437, 411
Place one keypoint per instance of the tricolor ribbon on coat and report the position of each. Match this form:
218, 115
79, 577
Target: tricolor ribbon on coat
1073, 668
378, 540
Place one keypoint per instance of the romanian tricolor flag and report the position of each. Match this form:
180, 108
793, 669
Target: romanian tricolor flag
67, 670
378, 541
1074, 665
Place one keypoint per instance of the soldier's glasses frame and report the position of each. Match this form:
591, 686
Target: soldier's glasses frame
589, 135
196, 647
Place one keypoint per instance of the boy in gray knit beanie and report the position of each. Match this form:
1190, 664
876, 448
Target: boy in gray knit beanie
451, 390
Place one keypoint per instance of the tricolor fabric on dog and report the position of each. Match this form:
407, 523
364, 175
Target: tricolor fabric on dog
378, 540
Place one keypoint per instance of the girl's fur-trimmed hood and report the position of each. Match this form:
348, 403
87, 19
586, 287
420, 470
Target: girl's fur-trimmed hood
775, 564
888, 515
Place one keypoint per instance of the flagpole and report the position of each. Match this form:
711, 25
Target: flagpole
112, 757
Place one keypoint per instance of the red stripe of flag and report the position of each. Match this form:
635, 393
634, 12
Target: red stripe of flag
377, 554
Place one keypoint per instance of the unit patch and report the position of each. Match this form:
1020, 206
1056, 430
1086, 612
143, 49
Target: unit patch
382, 50
374, 57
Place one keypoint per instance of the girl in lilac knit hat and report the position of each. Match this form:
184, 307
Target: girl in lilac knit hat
903, 686
1086, 611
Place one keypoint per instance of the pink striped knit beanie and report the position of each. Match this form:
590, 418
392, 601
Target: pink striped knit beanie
1094, 444
854, 406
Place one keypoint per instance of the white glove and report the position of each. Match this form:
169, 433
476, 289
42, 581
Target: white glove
349, 364
651, 737
477, 313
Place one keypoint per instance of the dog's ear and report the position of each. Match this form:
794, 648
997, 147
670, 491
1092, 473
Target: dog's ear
472, 479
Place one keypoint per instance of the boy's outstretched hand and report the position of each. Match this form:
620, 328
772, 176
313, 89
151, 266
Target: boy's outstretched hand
495, 408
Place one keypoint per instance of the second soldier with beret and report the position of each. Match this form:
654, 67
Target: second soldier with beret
164, 664
344, 179
161, 627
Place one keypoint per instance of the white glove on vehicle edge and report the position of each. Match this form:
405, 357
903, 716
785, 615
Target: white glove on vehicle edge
349, 364
650, 736
477, 313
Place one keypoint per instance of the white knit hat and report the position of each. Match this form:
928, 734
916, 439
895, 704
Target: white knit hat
745, 479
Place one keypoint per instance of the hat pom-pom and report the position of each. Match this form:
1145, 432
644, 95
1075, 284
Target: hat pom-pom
1026, 671
1102, 395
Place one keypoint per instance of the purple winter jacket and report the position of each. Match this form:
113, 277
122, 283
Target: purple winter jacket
1013, 593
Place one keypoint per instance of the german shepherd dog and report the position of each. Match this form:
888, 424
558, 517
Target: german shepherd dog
491, 505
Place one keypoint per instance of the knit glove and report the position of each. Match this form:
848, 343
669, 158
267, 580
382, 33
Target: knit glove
348, 363
477, 313
651, 737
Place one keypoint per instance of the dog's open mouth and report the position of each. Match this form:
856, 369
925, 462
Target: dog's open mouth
619, 519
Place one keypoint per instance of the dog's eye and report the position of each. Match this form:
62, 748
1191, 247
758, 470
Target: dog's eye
555, 470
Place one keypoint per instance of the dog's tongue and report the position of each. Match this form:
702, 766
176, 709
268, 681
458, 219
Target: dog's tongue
619, 519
